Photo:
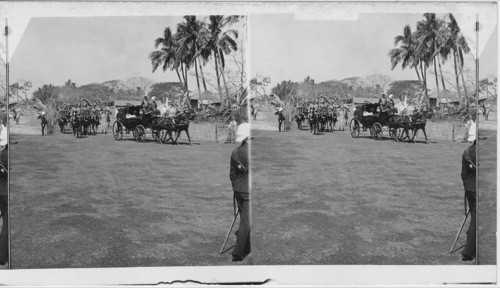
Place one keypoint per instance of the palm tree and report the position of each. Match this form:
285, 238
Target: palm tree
221, 43
405, 53
168, 58
193, 37
428, 35
458, 46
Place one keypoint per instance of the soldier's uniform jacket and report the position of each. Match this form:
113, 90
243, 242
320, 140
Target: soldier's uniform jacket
237, 174
468, 170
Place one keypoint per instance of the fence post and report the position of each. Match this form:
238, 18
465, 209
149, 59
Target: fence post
453, 132
216, 138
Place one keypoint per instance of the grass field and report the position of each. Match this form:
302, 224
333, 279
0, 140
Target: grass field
332, 199
97, 202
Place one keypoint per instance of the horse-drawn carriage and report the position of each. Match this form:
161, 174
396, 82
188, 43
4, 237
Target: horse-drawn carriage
370, 116
133, 119
140, 121
375, 118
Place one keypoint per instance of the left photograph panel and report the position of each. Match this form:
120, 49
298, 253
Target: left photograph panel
128, 141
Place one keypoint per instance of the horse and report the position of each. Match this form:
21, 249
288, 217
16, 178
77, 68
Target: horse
62, 120
322, 120
331, 119
160, 124
281, 118
396, 122
299, 119
94, 121
84, 119
313, 122
75, 123
177, 124
418, 123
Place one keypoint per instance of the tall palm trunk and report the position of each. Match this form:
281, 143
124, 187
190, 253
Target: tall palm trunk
466, 100
418, 74
204, 83
441, 72
184, 75
424, 77
202, 76
180, 78
197, 80
419, 81
437, 83
456, 77
224, 78
217, 74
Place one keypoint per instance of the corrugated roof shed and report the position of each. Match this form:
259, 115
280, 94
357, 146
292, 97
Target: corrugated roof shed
123, 103
361, 100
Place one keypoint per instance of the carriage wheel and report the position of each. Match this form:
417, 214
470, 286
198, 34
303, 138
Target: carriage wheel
354, 128
117, 130
377, 131
140, 133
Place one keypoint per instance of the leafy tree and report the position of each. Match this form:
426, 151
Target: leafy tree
221, 43
405, 54
411, 88
286, 90
378, 82
47, 94
430, 37
457, 44
165, 90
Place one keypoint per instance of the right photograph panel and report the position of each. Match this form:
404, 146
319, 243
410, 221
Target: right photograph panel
365, 139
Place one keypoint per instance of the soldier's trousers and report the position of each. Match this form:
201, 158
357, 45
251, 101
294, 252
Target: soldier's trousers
243, 247
4, 234
470, 243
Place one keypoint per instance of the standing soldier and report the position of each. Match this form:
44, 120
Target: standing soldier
4, 168
239, 170
469, 180
43, 121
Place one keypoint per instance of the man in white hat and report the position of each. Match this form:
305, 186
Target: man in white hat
239, 175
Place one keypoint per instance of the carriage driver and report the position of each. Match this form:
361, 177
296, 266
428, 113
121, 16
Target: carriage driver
383, 102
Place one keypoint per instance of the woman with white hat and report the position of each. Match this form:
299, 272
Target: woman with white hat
239, 176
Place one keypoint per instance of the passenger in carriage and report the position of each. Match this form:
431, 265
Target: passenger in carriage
384, 103
390, 103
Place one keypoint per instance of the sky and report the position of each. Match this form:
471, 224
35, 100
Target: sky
288, 49
99, 49
90, 49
